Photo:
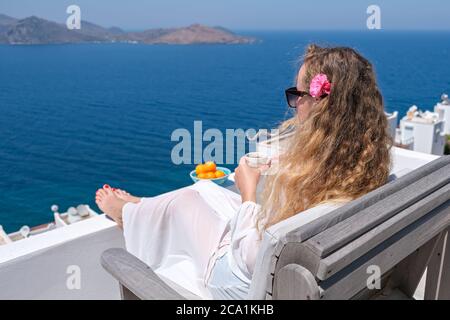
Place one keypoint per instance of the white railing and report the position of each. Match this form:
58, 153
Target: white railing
63, 263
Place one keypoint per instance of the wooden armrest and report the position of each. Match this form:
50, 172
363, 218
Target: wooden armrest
296, 283
136, 276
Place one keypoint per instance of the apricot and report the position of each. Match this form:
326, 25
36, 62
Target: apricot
219, 174
200, 169
210, 166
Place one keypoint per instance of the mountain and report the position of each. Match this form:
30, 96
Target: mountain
34, 30
223, 29
5, 20
197, 33
103, 34
116, 30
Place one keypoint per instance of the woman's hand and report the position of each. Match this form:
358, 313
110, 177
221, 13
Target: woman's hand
246, 179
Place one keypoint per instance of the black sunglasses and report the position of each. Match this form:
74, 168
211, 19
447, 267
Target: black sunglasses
292, 96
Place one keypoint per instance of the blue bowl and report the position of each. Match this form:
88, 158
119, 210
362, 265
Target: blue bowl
221, 180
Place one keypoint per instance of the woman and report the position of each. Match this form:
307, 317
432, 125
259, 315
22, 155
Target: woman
340, 150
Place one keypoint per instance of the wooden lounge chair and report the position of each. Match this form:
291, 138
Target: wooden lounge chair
377, 246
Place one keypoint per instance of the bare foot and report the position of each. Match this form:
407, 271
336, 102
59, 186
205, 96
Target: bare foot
125, 196
122, 194
110, 204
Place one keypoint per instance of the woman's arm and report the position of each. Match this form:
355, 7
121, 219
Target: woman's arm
246, 179
245, 238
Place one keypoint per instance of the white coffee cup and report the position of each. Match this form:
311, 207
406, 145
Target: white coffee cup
256, 159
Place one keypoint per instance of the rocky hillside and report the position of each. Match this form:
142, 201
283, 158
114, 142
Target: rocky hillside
34, 30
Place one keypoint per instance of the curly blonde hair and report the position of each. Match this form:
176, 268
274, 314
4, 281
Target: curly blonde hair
342, 150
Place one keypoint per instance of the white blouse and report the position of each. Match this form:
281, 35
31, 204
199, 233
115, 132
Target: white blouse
181, 234
242, 241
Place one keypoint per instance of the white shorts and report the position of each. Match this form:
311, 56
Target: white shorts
224, 284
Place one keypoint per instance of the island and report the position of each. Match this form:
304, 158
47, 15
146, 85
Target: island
35, 30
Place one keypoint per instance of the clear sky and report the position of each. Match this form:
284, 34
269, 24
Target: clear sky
242, 14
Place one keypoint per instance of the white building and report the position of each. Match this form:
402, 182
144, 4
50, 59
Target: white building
424, 131
443, 110
392, 120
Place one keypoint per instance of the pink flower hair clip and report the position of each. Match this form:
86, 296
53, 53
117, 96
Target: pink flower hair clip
320, 86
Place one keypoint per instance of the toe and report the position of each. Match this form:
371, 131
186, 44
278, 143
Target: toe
101, 193
118, 194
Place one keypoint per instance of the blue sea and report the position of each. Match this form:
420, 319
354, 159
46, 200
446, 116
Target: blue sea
74, 117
